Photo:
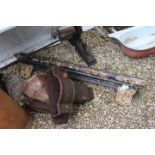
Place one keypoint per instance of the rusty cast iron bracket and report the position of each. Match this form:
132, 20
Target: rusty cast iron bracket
52, 91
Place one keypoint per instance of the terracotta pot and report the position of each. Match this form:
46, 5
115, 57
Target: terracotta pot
12, 116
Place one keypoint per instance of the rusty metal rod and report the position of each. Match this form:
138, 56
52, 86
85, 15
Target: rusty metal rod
87, 74
95, 79
100, 73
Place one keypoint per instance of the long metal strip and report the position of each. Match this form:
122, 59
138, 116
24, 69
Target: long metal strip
73, 74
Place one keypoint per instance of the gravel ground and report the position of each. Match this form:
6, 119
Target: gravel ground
103, 111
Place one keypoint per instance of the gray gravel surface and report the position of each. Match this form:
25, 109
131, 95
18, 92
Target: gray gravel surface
103, 111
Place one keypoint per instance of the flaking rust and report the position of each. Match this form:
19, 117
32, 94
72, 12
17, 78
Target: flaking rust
79, 68
100, 73
126, 86
132, 80
53, 92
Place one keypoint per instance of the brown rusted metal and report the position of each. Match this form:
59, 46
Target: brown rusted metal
66, 32
137, 54
100, 73
12, 116
36, 88
83, 93
131, 80
55, 93
61, 93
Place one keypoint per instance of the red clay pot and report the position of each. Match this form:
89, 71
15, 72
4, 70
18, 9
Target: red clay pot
12, 116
